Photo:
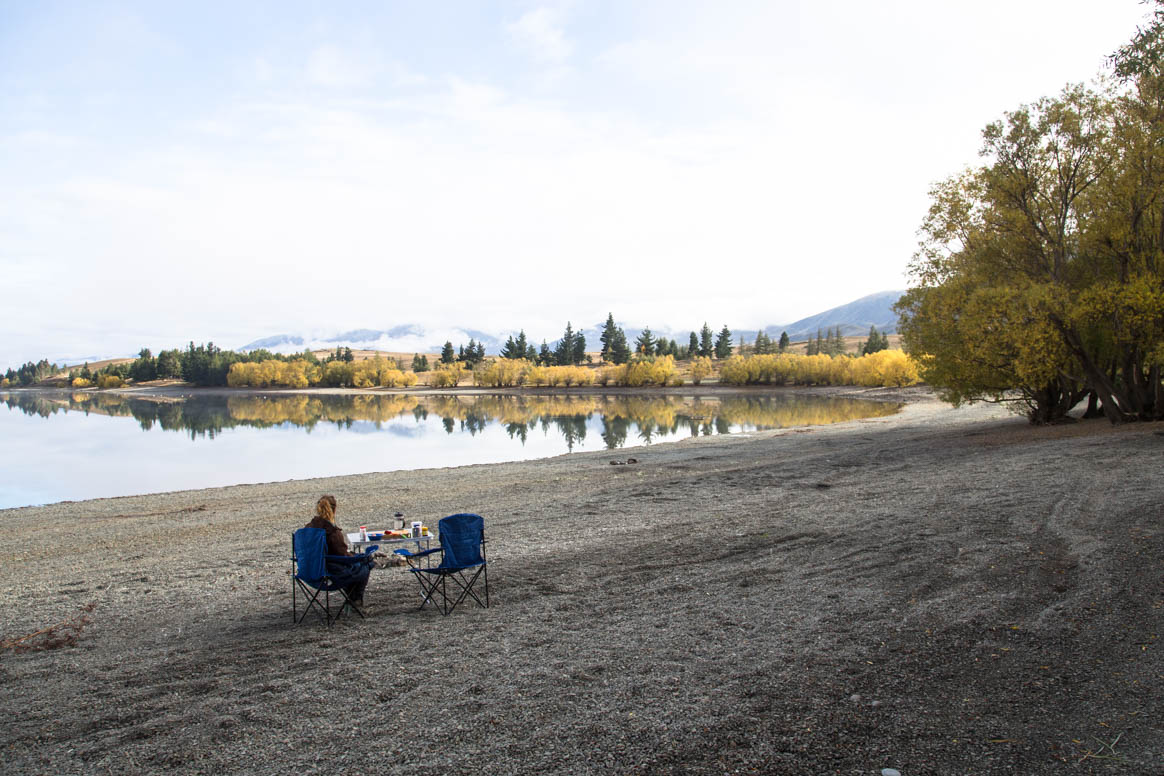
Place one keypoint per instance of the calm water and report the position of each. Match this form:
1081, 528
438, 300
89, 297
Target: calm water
69, 446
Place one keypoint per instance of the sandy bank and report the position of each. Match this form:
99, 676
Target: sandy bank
944, 591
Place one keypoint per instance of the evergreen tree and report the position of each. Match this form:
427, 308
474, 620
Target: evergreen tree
706, 348
693, 345
545, 357
763, 343
419, 363
723, 343
169, 365
874, 343
620, 349
521, 347
564, 353
784, 341
579, 348
145, 367
448, 355
509, 349
609, 332
645, 343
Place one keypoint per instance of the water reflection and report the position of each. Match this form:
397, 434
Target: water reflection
622, 420
99, 444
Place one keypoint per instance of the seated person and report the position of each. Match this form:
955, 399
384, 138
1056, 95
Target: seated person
337, 545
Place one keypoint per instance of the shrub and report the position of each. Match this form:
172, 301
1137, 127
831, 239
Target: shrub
883, 368
109, 381
700, 368
447, 376
501, 372
78, 382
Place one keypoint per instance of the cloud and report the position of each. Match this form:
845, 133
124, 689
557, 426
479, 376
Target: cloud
333, 66
540, 32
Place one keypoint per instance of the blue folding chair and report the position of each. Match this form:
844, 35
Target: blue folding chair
313, 571
462, 561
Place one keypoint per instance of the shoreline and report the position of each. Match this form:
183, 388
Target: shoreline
705, 389
937, 591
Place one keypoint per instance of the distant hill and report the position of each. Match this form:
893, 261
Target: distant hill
854, 318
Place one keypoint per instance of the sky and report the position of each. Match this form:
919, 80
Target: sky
225, 171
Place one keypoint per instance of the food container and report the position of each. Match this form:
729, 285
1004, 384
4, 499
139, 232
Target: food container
416, 529
363, 533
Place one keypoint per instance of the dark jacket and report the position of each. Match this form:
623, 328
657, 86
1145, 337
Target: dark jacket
336, 543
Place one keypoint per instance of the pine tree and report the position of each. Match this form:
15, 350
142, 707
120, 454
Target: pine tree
609, 332
419, 363
448, 355
579, 354
706, 348
545, 357
645, 343
723, 343
784, 341
509, 349
693, 345
521, 347
620, 350
564, 353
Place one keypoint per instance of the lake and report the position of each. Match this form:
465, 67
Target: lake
68, 446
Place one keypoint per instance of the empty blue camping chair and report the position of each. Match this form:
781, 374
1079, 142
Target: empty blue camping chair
462, 561
313, 571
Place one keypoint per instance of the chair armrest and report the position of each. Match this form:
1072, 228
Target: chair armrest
410, 554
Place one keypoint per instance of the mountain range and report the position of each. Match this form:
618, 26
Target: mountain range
854, 318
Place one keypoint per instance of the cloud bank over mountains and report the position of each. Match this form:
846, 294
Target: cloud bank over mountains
854, 318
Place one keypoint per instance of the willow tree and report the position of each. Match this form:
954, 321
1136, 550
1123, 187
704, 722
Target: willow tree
1039, 271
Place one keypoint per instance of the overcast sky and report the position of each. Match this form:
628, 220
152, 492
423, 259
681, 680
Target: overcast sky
225, 171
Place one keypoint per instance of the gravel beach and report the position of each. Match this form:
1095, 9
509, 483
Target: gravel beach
943, 591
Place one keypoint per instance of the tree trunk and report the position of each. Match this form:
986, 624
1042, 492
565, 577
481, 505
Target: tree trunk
1095, 378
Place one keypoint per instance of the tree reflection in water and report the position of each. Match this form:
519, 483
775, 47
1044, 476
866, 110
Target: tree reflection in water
648, 418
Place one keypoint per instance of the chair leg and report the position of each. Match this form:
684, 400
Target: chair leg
312, 602
467, 589
428, 588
